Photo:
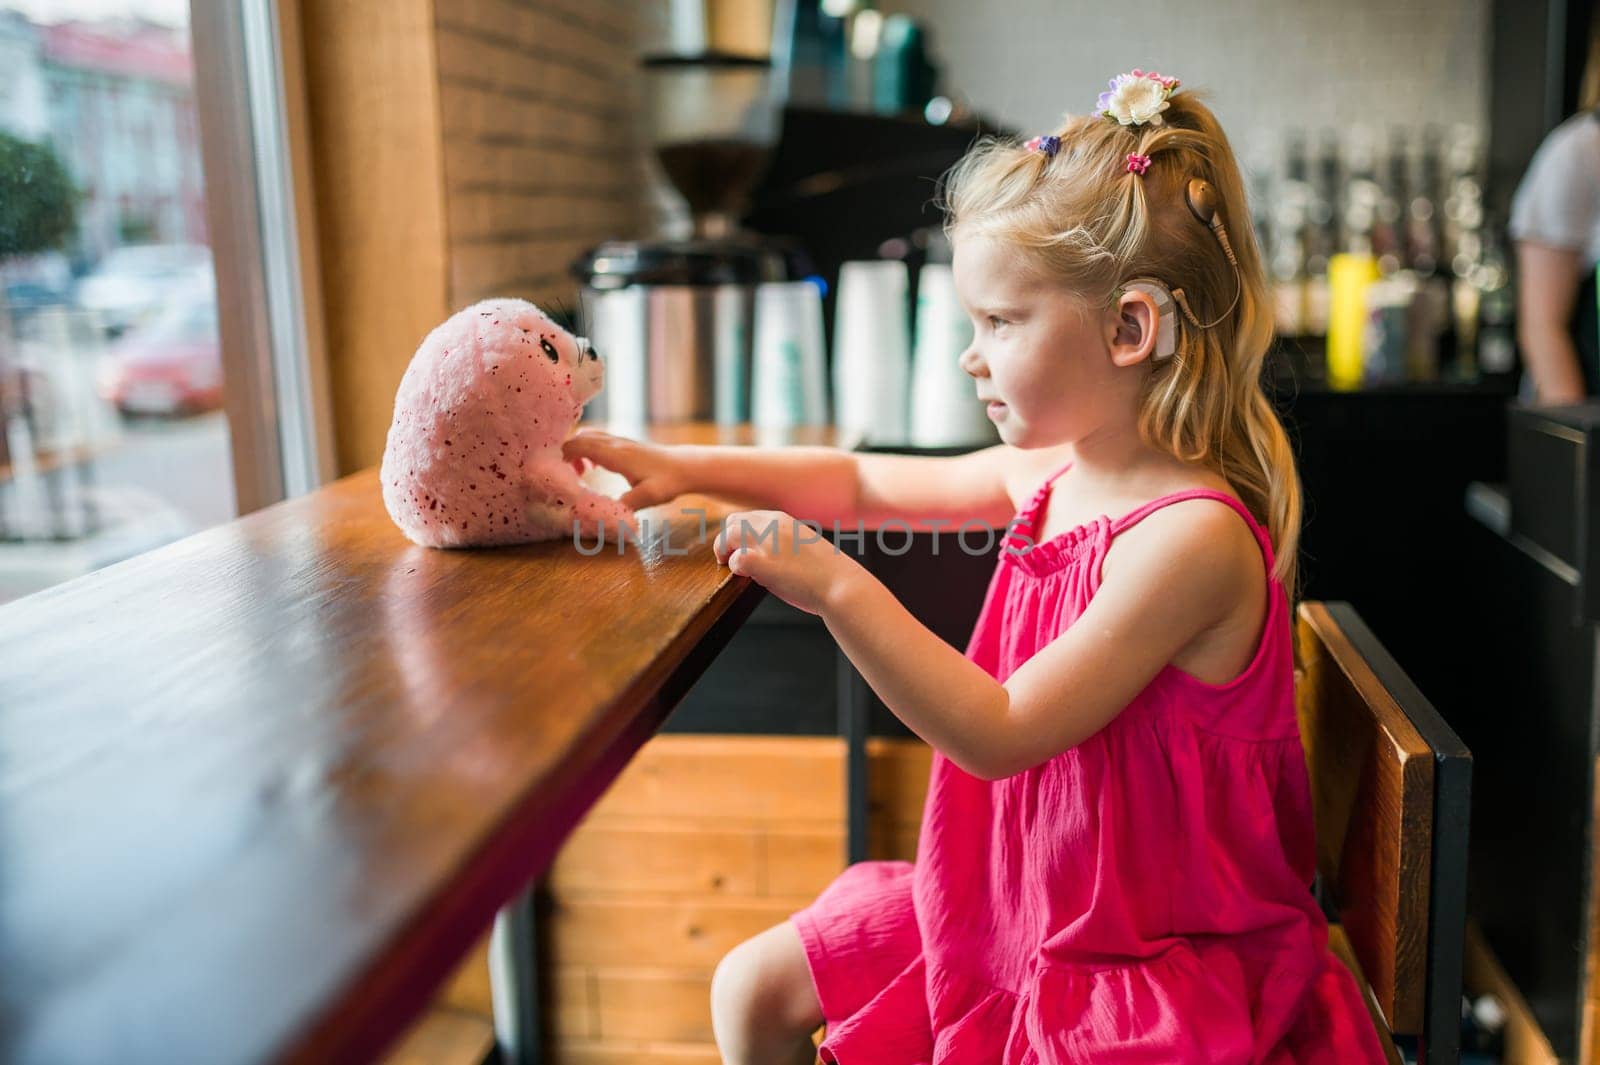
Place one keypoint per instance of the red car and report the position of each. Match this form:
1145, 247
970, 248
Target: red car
173, 365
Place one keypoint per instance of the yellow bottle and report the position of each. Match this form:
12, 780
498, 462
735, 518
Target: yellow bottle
1349, 275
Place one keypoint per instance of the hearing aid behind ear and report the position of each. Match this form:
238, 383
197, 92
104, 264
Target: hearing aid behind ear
1166, 314
1202, 200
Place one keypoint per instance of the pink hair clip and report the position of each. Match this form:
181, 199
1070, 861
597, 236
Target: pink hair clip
1138, 164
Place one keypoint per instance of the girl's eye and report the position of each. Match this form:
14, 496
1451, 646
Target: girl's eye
996, 322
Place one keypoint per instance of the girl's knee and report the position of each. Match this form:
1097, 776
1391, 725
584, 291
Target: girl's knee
733, 986
765, 980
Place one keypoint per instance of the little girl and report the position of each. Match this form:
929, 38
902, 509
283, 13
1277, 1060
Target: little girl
1117, 847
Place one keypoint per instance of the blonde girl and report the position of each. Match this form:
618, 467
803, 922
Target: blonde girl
1116, 852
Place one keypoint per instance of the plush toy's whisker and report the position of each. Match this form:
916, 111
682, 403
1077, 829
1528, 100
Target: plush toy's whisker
564, 315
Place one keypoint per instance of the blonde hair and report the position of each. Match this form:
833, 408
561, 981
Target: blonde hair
1081, 218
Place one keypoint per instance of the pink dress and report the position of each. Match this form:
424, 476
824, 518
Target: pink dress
1143, 897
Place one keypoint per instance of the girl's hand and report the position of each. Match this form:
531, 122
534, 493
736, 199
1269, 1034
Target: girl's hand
653, 471
791, 560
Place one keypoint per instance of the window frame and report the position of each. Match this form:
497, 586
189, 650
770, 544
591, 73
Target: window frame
250, 98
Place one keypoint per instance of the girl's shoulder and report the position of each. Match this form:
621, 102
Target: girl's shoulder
1194, 522
1194, 515
1201, 558
1128, 502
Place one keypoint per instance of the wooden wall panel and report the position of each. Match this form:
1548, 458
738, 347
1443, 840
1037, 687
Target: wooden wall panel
640, 1053
623, 858
652, 1005
701, 843
801, 861
377, 167
658, 933
732, 778
444, 1037
469, 990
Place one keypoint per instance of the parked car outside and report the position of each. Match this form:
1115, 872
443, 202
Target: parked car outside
172, 364
134, 282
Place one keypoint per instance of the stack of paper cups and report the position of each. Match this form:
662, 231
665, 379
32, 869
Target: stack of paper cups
872, 352
944, 400
789, 384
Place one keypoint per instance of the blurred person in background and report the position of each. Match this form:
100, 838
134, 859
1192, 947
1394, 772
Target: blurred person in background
1555, 224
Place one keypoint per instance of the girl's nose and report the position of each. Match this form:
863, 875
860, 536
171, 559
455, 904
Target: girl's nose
972, 363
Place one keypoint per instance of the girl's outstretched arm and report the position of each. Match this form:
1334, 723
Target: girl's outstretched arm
821, 484
1180, 574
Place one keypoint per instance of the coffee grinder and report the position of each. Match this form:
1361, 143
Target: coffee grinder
672, 317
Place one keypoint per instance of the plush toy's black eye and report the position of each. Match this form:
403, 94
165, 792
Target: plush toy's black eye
550, 349
591, 353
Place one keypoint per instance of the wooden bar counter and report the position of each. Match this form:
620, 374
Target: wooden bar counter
261, 790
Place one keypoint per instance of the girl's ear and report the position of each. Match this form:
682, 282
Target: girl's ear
1131, 329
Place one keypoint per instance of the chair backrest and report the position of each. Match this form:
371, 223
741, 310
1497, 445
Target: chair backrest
1390, 786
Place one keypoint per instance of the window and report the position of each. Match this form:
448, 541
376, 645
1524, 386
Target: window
131, 415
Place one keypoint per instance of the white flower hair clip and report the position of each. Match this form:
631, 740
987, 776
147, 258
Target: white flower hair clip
1137, 98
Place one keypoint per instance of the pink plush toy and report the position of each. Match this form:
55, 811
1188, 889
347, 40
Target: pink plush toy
474, 452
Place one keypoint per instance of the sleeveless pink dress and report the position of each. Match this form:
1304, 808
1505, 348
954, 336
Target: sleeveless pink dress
1143, 897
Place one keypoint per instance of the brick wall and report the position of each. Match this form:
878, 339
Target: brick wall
542, 153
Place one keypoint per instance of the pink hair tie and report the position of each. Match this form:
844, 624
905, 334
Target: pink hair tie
1048, 144
1138, 164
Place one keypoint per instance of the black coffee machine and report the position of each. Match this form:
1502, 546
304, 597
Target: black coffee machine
673, 315
857, 185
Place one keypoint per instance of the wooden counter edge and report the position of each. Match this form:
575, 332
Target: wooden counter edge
397, 985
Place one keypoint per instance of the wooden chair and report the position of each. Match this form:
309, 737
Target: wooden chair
1391, 786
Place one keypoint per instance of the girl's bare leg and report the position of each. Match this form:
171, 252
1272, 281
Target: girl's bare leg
763, 1005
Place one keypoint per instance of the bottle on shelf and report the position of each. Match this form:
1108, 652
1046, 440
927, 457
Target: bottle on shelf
1423, 234
1353, 270
1497, 305
1289, 224
1323, 221
1461, 244
1438, 344
1390, 245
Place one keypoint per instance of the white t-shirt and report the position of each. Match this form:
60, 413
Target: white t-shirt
1558, 201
